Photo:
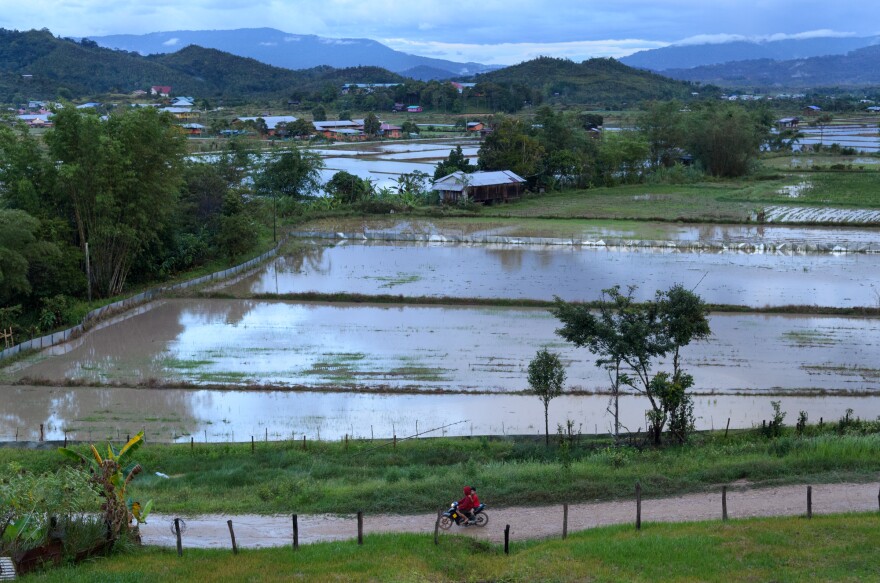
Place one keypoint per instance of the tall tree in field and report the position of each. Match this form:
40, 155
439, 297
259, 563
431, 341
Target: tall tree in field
630, 337
295, 174
509, 147
120, 179
547, 381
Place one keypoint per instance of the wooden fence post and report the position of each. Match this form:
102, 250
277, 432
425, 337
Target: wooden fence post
192, 443
253, 445
638, 506
878, 500
42, 437
564, 521
360, 527
437, 527
295, 532
177, 533
304, 441
726, 429
507, 540
809, 502
395, 442
232, 536
723, 502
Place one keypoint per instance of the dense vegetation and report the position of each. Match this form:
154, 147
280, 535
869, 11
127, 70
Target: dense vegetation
596, 82
417, 475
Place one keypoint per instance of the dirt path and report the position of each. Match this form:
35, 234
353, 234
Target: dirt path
254, 531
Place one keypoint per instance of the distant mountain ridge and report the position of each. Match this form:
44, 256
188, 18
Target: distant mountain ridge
292, 51
858, 68
36, 64
697, 55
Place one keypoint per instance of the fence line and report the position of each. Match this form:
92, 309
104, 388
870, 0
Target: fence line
356, 531
128, 303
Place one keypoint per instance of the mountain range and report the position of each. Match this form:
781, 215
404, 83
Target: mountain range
697, 55
859, 68
295, 51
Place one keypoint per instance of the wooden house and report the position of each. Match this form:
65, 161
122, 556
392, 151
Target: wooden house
272, 121
484, 187
330, 129
160, 90
193, 129
386, 130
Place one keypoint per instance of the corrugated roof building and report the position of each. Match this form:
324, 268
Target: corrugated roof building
485, 187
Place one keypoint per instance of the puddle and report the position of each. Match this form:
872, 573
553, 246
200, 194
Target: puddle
571, 272
471, 350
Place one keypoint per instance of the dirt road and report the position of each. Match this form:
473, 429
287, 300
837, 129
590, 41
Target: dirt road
254, 531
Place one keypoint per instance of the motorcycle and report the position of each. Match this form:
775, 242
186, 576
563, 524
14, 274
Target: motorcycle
453, 516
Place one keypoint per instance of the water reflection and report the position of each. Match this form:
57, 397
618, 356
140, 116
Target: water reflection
87, 413
375, 348
573, 273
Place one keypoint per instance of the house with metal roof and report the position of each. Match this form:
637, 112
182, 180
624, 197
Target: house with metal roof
272, 121
485, 187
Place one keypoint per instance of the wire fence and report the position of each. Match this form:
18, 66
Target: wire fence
128, 303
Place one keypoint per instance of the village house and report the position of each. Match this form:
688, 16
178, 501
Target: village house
386, 130
460, 87
183, 102
330, 129
36, 120
873, 109
812, 110
160, 90
193, 129
475, 126
181, 113
414, 109
484, 187
788, 122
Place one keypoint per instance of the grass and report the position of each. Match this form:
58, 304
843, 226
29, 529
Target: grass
825, 548
281, 477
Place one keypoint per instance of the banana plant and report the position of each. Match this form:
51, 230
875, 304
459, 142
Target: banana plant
112, 473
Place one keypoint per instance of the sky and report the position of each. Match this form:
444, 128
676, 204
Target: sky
485, 31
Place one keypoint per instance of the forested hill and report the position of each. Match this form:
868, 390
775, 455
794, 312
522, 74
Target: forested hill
603, 82
857, 68
57, 67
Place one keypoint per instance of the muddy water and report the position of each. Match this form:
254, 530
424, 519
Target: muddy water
599, 230
87, 413
371, 348
573, 273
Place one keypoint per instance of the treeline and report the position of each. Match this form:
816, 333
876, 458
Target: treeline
564, 149
122, 189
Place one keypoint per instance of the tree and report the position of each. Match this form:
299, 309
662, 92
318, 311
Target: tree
348, 188
319, 113
17, 237
300, 128
453, 163
632, 337
662, 125
372, 125
725, 139
509, 147
237, 233
294, 174
120, 180
344, 115
547, 381
409, 127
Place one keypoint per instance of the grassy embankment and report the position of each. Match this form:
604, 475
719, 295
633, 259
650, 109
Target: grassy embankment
417, 475
826, 548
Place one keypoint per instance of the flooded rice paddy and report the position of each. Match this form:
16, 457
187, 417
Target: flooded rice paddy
247, 343
465, 364
91, 414
570, 272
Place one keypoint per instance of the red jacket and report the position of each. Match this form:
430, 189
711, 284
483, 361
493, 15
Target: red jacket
466, 504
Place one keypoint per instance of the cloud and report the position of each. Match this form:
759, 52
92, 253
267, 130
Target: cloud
715, 39
512, 53
171, 42
291, 39
268, 44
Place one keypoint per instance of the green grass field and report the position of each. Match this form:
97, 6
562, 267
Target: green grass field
826, 548
281, 477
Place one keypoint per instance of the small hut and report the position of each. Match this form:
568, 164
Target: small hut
485, 187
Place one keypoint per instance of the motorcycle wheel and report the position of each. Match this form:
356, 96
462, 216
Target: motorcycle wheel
482, 519
445, 522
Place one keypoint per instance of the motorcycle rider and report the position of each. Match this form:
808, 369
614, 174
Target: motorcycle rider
466, 506
474, 499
